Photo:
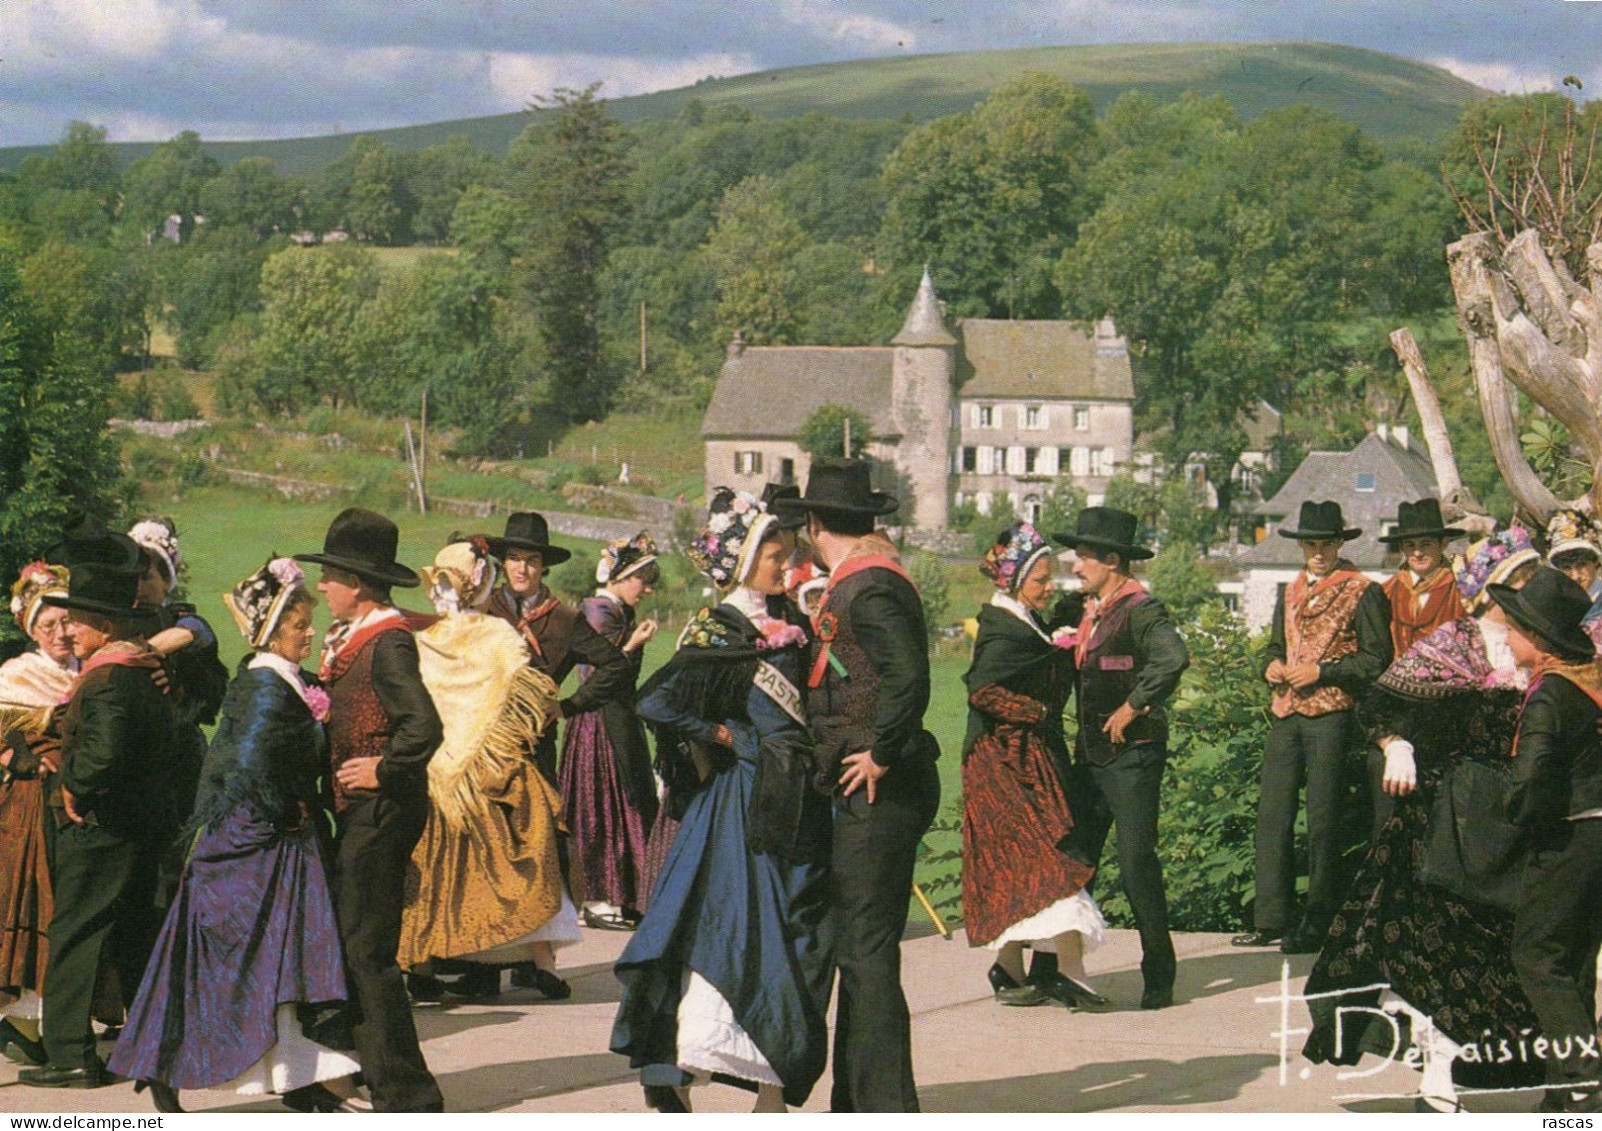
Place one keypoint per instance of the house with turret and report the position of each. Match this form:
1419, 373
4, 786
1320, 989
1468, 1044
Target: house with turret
984, 409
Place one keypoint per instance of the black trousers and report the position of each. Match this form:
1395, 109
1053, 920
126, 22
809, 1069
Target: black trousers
1556, 933
372, 856
1127, 796
105, 912
1311, 750
875, 847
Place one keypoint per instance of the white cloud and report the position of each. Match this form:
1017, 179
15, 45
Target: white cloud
516, 78
857, 29
1501, 77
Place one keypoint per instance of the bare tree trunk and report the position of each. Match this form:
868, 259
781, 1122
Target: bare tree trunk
1458, 504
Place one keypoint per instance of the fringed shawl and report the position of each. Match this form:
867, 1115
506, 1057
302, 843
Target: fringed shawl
31, 685
493, 706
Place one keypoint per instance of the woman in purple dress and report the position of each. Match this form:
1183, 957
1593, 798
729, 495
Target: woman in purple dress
244, 988
608, 791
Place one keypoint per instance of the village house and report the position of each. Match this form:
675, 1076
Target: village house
1385, 470
986, 409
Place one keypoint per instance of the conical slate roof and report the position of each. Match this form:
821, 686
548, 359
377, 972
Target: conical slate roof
924, 326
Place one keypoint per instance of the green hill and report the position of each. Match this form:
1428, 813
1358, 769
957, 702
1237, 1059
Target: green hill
1388, 95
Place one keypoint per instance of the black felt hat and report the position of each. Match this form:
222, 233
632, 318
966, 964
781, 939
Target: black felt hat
1319, 521
87, 539
105, 588
1105, 528
363, 542
1552, 607
1420, 520
837, 486
527, 530
781, 499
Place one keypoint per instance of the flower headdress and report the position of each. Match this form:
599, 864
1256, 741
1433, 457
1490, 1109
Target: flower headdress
462, 576
1015, 553
1573, 530
159, 537
736, 523
37, 581
624, 557
1490, 561
258, 602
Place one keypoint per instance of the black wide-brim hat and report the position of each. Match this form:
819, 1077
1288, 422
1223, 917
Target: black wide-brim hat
364, 542
527, 530
1105, 528
105, 588
1420, 520
1551, 606
837, 486
87, 539
1320, 520
781, 503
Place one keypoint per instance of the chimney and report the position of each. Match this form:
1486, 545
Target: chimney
737, 345
1400, 435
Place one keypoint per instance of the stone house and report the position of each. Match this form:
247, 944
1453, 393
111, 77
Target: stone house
989, 408
1385, 470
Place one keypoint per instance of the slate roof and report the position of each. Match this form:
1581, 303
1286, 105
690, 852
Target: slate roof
769, 391
1400, 475
1049, 360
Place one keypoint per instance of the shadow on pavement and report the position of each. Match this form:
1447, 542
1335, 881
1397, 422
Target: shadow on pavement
1101, 1087
496, 1086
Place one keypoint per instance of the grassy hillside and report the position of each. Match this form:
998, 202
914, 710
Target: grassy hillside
1388, 95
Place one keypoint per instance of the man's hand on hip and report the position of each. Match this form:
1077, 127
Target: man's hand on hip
861, 769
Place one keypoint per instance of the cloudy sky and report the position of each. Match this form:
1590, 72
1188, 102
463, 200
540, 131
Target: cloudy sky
240, 69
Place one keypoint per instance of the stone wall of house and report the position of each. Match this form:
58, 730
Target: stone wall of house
1021, 448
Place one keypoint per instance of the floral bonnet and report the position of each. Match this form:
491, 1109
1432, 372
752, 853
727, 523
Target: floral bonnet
37, 581
1491, 561
624, 557
1570, 529
736, 523
159, 538
258, 602
1015, 553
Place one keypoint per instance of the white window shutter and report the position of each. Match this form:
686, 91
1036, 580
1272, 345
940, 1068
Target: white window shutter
1047, 461
986, 465
1015, 460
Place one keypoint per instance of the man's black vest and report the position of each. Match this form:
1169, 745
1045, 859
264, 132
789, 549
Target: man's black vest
1108, 672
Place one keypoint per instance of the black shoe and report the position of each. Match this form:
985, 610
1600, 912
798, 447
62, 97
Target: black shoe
478, 982
425, 988
1263, 936
1042, 967
19, 1049
1157, 997
659, 1097
52, 1076
1302, 942
164, 1097
313, 1097
1009, 992
1076, 995
608, 922
527, 976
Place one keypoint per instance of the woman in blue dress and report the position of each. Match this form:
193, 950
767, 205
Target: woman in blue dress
245, 986
730, 971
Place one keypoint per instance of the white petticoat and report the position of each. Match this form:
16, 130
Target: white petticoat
1076, 913
561, 929
294, 1062
710, 1040
25, 1008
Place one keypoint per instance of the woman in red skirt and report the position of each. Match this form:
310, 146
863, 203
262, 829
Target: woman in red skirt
1022, 884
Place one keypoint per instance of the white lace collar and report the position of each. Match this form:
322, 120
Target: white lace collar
1018, 609
748, 602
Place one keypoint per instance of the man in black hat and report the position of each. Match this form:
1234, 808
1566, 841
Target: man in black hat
1556, 796
1129, 658
557, 635
117, 808
382, 731
869, 689
1330, 641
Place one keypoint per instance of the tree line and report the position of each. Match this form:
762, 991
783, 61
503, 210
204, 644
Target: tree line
1243, 259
